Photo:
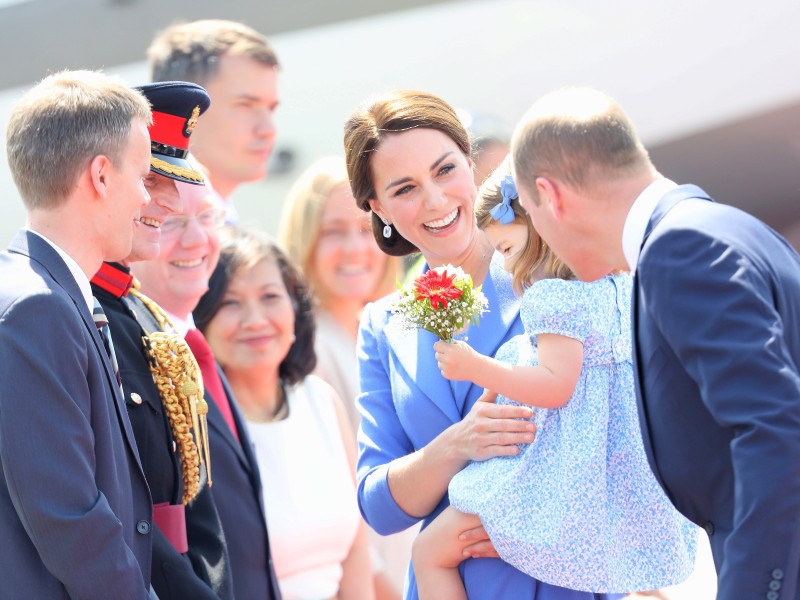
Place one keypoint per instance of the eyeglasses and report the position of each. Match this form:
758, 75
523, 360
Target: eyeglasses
209, 219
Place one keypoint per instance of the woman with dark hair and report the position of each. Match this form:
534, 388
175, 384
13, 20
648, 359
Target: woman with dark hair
257, 317
409, 162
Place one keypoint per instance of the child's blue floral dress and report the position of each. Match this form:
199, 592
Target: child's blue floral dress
580, 507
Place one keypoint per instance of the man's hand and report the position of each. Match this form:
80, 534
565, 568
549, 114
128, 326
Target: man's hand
479, 544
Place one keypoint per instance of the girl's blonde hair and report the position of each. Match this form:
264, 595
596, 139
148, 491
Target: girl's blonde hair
536, 260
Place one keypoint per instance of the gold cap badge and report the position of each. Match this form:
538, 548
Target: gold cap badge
191, 123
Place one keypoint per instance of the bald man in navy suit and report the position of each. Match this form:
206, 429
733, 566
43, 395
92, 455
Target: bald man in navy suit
716, 316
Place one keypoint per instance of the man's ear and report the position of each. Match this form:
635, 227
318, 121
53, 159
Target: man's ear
99, 173
551, 194
376, 207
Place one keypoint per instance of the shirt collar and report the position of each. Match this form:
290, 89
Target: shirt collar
77, 273
182, 325
639, 216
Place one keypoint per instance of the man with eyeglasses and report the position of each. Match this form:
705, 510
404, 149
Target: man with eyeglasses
177, 279
189, 557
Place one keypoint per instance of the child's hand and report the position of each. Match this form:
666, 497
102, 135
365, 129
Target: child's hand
456, 360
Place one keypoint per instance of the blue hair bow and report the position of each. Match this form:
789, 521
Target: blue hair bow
503, 213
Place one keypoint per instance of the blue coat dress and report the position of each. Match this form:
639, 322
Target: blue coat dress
405, 403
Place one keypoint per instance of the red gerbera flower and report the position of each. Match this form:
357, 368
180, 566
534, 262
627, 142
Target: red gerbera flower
437, 287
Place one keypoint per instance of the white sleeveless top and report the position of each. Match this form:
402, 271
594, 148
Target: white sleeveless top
309, 494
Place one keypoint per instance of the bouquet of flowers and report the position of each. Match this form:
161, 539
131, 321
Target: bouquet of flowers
442, 301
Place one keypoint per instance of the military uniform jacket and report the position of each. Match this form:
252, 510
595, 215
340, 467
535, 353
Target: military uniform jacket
202, 573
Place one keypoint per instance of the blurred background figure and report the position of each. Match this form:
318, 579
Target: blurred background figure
330, 238
488, 151
257, 317
239, 69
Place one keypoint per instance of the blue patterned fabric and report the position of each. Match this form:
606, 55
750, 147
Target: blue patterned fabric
579, 507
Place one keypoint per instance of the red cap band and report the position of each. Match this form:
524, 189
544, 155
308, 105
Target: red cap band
169, 130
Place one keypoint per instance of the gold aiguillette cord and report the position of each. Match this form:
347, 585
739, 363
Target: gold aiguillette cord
199, 408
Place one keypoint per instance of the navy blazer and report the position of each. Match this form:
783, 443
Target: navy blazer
405, 403
237, 493
75, 509
716, 318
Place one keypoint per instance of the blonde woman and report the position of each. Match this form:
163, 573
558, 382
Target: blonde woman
325, 233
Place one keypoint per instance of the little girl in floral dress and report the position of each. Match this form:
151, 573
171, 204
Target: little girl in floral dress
579, 507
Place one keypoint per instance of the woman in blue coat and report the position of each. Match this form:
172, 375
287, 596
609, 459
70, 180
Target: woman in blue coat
408, 159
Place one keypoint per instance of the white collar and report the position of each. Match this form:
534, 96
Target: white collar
182, 326
639, 216
77, 273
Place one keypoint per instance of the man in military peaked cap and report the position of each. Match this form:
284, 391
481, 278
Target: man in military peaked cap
189, 555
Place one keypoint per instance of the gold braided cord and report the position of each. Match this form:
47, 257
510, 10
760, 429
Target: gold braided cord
180, 384
163, 165
171, 357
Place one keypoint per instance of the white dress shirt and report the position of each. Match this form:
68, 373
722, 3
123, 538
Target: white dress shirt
639, 216
80, 277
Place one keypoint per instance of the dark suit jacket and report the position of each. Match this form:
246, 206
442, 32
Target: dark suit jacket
203, 573
717, 341
237, 493
75, 509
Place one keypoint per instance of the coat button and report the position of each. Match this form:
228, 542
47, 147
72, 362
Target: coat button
775, 585
143, 527
772, 595
777, 574
136, 398
709, 527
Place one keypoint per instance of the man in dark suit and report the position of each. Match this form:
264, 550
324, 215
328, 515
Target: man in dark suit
190, 559
75, 510
176, 280
716, 329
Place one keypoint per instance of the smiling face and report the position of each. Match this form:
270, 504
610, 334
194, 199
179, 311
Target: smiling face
424, 187
126, 194
235, 137
254, 325
189, 252
346, 263
164, 201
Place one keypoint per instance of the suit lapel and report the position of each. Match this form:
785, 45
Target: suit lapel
641, 401
414, 353
414, 349
217, 422
668, 201
494, 324
31, 245
665, 204
246, 445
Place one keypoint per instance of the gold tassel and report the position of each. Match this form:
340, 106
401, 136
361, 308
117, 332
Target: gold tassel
199, 408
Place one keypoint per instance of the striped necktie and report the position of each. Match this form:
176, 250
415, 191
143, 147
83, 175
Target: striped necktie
101, 321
